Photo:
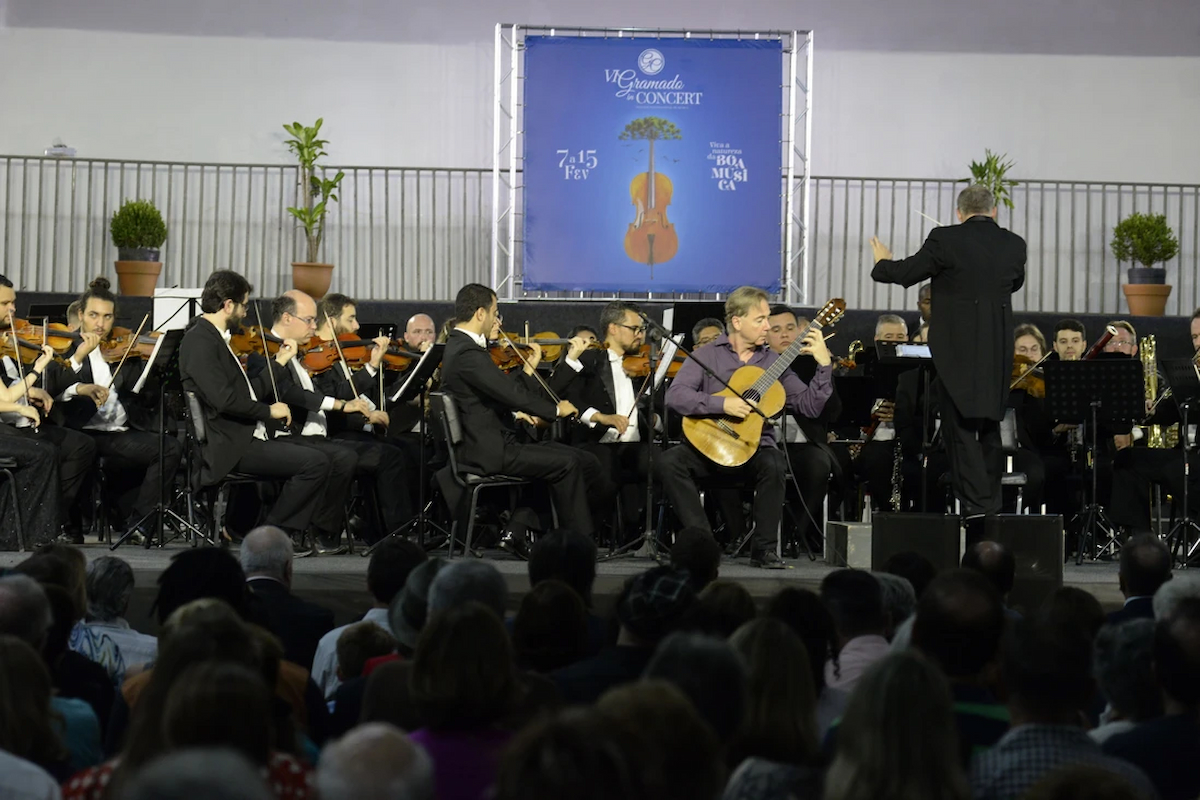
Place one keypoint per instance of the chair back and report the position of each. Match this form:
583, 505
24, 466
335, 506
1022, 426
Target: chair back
445, 411
1008, 431
196, 418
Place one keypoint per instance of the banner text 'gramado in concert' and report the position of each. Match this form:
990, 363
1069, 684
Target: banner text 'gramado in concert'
651, 92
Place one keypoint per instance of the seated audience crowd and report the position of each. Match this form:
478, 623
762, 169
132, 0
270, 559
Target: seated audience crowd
906, 683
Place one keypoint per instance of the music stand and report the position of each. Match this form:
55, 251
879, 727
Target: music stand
1098, 390
1183, 376
164, 365
414, 386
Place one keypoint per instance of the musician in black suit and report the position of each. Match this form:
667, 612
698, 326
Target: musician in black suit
973, 268
235, 416
488, 402
616, 430
97, 398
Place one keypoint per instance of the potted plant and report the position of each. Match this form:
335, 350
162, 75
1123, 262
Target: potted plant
992, 172
138, 231
312, 276
1145, 239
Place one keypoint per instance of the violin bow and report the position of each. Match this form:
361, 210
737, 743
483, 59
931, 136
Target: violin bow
12, 329
525, 361
267, 353
128, 350
1031, 368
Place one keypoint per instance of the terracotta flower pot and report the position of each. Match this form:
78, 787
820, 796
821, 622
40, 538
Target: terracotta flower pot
1146, 299
138, 278
312, 279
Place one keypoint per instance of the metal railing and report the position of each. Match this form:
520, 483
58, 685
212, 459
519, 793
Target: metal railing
405, 233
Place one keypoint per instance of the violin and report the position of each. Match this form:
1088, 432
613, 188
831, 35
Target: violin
1027, 376
320, 355
249, 340
12, 341
54, 334
637, 365
551, 343
651, 238
119, 342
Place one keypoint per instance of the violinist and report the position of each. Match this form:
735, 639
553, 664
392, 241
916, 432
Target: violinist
615, 424
102, 405
1038, 456
488, 402
73, 321
337, 314
237, 410
293, 317
25, 433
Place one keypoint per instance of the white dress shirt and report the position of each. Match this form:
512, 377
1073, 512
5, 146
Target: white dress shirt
623, 387
111, 416
13, 377
260, 430
317, 424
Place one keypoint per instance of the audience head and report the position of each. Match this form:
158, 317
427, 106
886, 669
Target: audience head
463, 677
1047, 670
697, 551
899, 599
198, 573
780, 722
109, 588
391, 562
25, 610
1082, 782
25, 716
66, 615
551, 628
710, 673
719, 610
855, 601
468, 581
375, 761
1185, 584
653, 603
1074, 609
1177, 657
898, 731
803, 612
566, 556
993, 561
918, 569
59, 565
358, 644
198, 774
677, 747
267, 553
409, 609
1123, 659
959, 624
1145, 565
220, 704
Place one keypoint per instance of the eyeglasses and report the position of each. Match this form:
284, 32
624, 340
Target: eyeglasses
634, 328
1116, 343
307, 320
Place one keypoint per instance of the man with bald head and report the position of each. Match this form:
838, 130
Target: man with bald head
375, 762
294, 316
419, 333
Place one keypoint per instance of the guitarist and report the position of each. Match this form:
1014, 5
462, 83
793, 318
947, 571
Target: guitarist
693, 393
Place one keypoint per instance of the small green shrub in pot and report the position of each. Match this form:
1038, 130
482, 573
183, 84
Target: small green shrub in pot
1146, 240
138, 231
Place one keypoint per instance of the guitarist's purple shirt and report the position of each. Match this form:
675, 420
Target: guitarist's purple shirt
691, 393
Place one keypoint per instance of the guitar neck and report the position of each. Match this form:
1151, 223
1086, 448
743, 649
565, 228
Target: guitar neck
781, 364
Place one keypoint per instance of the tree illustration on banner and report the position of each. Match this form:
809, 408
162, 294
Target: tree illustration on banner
651, 238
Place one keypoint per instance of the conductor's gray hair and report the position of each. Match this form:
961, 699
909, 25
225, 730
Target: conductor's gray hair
976, 200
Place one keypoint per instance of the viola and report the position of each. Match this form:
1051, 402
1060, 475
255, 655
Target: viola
1027, 376
651, 238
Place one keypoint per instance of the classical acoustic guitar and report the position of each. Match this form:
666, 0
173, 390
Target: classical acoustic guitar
731, 442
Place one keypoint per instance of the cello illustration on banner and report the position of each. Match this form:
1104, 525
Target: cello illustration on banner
651, 238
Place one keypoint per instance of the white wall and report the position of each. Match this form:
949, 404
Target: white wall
890, 114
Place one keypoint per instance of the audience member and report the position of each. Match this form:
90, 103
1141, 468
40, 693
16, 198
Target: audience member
70, 572
720, 609
960, 622
26, 716
918, 569
106, 637
696, 551
775, 752
1082, 782
650, 606
897, 738
1145, 566
375, 762
391, 562
803, 612
409, 609
1167, 748
855, 602
899, 600
74, 676
1185, 584
1048, 676
550, 630
468, 581
464, 685
201, 573
571, 558
198, 774
1123, 659
677, 746
710, 673
267, 555
359, 643
24, 780
995, 562
1074, 609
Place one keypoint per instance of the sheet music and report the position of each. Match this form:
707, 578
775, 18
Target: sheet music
668, 355
150, 362
913, 351
413, 372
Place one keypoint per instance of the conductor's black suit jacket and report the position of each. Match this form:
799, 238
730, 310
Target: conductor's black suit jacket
974, 268
486, 398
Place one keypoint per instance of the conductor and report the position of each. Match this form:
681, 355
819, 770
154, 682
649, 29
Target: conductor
974, 268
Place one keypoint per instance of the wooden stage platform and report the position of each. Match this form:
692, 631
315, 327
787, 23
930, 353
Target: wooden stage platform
339, 582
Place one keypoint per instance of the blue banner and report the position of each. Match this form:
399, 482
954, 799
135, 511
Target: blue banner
652, 165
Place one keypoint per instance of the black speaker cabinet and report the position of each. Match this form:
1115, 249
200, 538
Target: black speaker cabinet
935, 536
1036, 543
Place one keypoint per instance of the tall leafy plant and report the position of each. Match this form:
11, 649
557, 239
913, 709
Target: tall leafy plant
1144, 239
992, 172
307, 146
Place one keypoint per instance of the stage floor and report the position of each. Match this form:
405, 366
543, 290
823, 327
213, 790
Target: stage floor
339, 582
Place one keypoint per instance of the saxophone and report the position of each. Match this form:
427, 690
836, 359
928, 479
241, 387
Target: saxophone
1157, 436
897, 474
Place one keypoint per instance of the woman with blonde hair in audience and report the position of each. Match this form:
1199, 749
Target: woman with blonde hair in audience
897, 739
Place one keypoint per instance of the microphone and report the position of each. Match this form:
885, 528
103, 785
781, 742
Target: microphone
1095, 349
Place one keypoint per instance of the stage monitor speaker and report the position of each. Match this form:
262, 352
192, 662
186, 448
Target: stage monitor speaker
1036, 542
936, 536
848, 544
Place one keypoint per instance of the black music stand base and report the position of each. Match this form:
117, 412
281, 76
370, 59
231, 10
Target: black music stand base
1184, 537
